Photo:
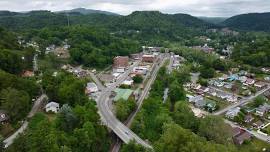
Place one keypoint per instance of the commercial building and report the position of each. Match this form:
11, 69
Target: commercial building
120, 62
148, 58
91, 88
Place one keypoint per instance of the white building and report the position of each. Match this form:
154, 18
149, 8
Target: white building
140, 70
91, 88
128, 82
52, 107
232, 113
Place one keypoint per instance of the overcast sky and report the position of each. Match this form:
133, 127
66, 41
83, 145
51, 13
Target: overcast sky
212, 8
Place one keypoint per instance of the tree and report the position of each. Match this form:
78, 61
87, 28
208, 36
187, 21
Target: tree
137, 79
177, 139
176, 93
133, 147
214, 128
124, 108
184, 117
207, 72
66, 120
16, 103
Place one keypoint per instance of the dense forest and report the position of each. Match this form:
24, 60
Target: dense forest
249, 22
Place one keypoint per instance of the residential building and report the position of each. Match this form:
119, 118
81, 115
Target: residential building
200, 103
52, 107
262, 109
28, 74
248, 118
148, 58
267, 94
232, 112
249, 81
91, 88
241, 137
260, 84
259, 124
232, 98
120, 62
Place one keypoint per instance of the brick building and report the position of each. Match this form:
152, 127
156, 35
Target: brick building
120, 62
148, 58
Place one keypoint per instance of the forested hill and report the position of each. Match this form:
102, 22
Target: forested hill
85, 11
250, 22
154, 19
136, 20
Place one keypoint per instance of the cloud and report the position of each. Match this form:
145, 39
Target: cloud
193, 7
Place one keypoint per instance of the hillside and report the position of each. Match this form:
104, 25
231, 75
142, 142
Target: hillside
250, 22
213, 20
85, 11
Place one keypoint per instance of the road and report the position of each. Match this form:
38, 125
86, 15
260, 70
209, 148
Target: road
8, 141
103, 104
242, 101
144, 94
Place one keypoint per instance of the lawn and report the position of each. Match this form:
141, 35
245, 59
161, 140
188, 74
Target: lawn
254, 145
266, 130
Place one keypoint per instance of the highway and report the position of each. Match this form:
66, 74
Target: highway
123, 132
242, 101
8, 141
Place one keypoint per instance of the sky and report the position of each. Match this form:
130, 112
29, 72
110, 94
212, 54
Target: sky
211, 8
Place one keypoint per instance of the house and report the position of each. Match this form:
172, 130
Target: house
120, 62
212, 92
3, 117
148, 58
194, 99
243, 79
211, 106
248, 118
223, 77
241, 137
200, 104
232, 98
249, 81
91, 88
259, 124
259, 84
232, 112
52, 107
233, 77
262, 109
267, 94
119, 70
222, 95
204, 89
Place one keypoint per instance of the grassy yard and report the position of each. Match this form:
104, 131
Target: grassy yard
254, 145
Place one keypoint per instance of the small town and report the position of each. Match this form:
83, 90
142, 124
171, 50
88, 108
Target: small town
144, 76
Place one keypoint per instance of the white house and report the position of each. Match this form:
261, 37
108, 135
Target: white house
232, 113
128, 82
91, 88
52, 107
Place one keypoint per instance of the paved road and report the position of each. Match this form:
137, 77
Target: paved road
242, 101
144, 94
103, 104
8, 141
